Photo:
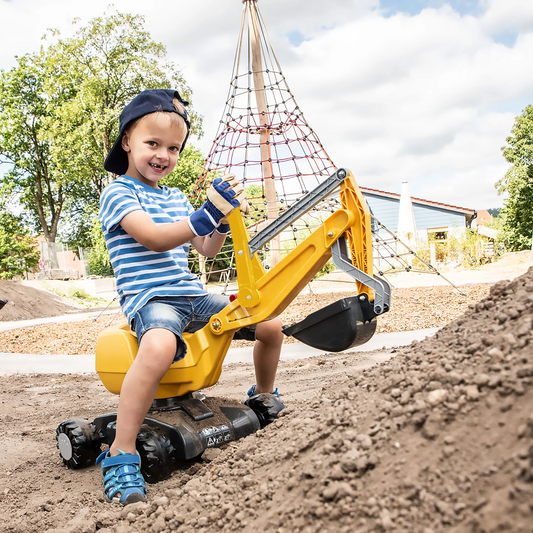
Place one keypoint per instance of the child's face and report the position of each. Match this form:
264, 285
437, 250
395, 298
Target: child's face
153, 147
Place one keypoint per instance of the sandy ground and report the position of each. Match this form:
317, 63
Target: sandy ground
413, 309
436, 437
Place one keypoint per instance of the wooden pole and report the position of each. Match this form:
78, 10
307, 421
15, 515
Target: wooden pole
264, 134
203, 272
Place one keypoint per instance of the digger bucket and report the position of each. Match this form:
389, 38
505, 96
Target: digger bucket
337, 327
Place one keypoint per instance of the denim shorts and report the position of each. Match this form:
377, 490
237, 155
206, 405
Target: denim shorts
182, 314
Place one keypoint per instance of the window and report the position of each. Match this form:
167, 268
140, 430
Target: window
437, 234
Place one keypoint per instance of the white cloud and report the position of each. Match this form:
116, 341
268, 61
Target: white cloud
428, 98
508, 15
415, 98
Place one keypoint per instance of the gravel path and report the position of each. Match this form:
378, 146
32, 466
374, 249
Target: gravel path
412, 309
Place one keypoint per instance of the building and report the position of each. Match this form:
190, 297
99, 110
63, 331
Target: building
435, 221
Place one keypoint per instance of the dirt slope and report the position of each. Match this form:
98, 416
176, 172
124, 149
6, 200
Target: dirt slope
438, 438
26, 302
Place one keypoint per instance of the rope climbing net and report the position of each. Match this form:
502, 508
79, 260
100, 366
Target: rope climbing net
264, 139
391, 255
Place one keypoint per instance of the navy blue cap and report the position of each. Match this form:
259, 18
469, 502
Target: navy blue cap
149, 101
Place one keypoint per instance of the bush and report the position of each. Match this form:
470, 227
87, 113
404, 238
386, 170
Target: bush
326, 269
19, 252
99, 262
463, 249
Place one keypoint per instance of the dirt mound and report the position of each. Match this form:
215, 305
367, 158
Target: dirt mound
438, 438
25, 303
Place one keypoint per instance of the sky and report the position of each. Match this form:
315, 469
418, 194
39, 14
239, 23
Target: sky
417, 91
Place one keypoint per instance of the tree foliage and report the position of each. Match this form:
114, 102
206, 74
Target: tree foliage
517, 213
18, 250
99, 261
256, 200
23, 115
104, 66
59, 115
189, 166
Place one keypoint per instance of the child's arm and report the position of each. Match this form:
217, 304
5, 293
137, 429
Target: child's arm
210, 245
223, 196
158, 238
164, 237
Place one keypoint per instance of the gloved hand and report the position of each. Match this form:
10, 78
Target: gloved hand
224, 228
224, 195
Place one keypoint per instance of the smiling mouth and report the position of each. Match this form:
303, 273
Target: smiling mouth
158, 167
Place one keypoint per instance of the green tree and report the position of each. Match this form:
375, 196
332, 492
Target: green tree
104, 66
184, 177
517, 212
59, 114
18, 250
23, 114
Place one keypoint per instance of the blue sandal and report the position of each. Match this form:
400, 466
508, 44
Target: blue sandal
251, 392
122, 475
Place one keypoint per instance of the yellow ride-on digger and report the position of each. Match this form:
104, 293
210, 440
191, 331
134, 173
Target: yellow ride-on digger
187, 423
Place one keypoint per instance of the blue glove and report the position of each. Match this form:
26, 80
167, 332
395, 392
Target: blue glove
205, 220
224, 228
222, 199
226, 193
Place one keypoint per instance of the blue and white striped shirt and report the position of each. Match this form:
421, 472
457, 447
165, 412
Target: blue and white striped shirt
142, 274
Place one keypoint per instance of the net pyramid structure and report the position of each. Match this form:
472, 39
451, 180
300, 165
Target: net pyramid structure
264, 139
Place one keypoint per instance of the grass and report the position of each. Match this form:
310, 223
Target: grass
78, 295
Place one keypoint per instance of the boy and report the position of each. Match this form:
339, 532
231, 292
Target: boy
147, 230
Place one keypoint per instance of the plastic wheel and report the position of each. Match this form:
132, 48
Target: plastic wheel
78, 442
157, 453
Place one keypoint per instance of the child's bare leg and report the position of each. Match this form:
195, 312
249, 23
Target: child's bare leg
156, 353
267, 349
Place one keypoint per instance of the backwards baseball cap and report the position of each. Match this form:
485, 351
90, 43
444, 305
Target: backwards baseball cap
149, 101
